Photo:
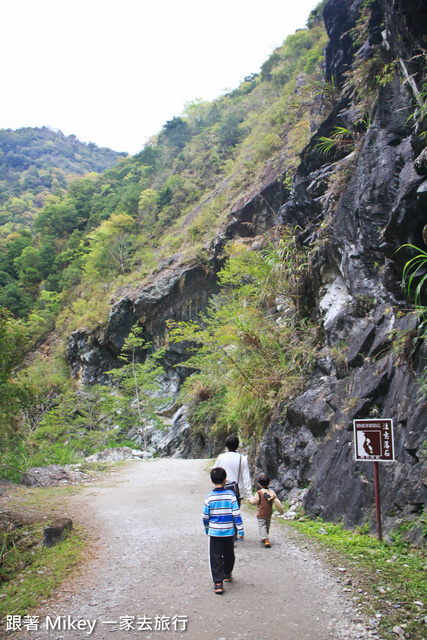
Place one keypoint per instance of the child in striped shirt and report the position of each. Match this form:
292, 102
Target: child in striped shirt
220, 515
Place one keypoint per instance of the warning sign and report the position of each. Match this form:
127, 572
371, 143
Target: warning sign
373, 440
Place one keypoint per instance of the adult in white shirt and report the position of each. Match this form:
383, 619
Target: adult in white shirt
236, 467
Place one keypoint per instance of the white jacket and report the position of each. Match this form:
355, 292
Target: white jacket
230, 461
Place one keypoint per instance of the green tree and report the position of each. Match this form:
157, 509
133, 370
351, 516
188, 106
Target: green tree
111, 247
33, 265
139, 380
29, 269
13, 346
147, 208
74, 425
58, 218
80, 193
16, 299
15, 244
176, 133
41, 320
316, 14
229, 133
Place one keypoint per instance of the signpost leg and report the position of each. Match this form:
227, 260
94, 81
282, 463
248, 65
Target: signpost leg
378, 501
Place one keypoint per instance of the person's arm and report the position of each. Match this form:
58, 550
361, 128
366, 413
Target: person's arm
246, 477
206, 513
237, 518
278, 505
254, 499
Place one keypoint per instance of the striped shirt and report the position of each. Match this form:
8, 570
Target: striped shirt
221, 513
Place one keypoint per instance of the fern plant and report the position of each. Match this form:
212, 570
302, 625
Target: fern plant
415, 268
340, 138
415, 274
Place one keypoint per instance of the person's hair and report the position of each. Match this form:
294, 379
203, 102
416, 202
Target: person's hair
218, 475
232, 442
263, 480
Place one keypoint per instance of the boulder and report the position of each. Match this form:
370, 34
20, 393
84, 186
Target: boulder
51, 475
57, 531
116, 454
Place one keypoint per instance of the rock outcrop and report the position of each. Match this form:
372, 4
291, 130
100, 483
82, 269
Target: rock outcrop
178, 291
372, 358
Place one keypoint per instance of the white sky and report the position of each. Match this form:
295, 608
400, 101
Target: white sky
113, 73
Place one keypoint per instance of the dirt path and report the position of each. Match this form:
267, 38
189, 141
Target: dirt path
151, 568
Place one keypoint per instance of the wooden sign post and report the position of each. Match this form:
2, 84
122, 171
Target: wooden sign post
373, 440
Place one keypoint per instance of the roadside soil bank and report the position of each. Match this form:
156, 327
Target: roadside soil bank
147, 575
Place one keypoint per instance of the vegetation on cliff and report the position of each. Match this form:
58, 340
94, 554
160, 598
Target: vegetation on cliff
251, 360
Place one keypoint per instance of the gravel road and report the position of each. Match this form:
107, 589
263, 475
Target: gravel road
148, 575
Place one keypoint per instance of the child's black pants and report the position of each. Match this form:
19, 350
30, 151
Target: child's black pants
221, 556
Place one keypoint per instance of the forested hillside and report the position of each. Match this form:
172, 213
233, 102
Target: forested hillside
35, 162
36, 167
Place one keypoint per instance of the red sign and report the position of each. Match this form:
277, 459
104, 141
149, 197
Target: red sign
373, 440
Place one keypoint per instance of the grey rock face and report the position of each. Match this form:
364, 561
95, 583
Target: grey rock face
372, 357
172, 295
115, 454
340, 16
178, 439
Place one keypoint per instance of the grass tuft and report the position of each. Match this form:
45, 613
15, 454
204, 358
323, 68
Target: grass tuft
390, 579
29, 572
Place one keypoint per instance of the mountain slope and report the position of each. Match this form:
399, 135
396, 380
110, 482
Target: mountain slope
111, 230
37, 161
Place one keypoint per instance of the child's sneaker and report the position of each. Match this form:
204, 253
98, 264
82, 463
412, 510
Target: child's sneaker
218, 588
228, 577
267, 543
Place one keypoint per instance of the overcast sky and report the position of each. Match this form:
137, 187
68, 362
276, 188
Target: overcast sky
114, 72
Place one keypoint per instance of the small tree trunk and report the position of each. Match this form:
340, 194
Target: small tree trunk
144, 434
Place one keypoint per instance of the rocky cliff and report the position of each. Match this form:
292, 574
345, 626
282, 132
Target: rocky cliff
355, 206
372, 359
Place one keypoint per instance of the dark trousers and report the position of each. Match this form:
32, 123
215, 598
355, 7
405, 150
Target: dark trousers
221, 556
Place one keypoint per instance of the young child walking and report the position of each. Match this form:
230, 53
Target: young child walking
266, 499
220, 516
